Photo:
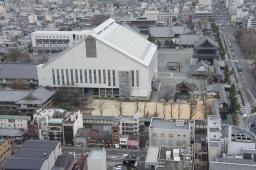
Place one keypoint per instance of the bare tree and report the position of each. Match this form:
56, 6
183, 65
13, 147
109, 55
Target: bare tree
144, 108
119, 106
179, 110
102, 106
193, 106
19, 84
13, 54
171, 103
166, 92
156, 111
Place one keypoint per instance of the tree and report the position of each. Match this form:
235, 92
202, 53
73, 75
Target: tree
144, 109
119, 106
13, 54
158, 43
226, 73
233, 97
167, 43
101, 106
166, 92
193, 106
156, 111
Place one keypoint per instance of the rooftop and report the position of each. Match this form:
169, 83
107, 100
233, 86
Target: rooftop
168, 124
18, 71
11, 132
152, 155
16, 117
97, 154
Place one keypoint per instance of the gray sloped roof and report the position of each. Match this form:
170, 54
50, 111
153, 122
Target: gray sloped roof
39, 96
24, 163
13, 95
197, 68
40, 144
18, 71
161, 32
33, 153
180, 29
204, 40
188, 39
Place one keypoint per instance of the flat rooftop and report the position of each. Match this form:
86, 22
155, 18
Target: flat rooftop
168, 124
97, 154
152, 155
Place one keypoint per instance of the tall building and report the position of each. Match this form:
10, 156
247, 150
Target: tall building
112, 61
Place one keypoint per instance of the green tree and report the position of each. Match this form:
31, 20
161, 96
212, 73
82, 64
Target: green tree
167, 43
158, 43
226, 74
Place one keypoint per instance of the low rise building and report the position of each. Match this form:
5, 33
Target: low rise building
170, 133
5, 152
11, 73
14, 121
55, 41
13, 135
25, 100
96, 160
35, 154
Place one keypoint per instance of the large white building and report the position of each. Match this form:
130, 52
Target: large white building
112, 60
55, 41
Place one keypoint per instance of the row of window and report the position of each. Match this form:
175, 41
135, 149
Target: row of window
162, 135
75, 37
91, 76
72, 76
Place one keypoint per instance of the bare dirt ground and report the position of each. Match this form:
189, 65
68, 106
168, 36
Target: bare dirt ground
148, 109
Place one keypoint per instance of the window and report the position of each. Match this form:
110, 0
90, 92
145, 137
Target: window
91, 50
137, 78
132, 78
76, 75
90, 76
81, 75
53, 77
99, 74
62, 76
72, 76
67, 76
58, 76
162, 135
170, 135
104, 76
94, 76
109, 79
114, 78
85, 76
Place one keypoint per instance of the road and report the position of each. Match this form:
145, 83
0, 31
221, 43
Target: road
246, 81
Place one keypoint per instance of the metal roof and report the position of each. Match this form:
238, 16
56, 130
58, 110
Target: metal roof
40, 144
24, 163
18, 71
16, 117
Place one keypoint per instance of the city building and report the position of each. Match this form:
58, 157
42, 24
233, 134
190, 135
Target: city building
5, 152
13, 135
14, 121
64, 162
249, 22
167, 158
35, 154
13, 72
55, 41
89, 63
71, 124
96, 160
129, 125
170, 133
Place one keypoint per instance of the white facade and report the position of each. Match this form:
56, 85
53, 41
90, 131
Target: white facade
129, 125
14, 121
249, 22
111, 58
169, 133
97, 160
77, 117
55, 41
